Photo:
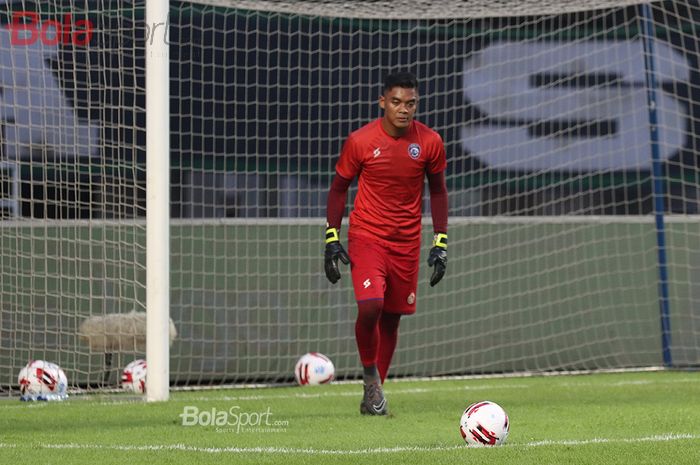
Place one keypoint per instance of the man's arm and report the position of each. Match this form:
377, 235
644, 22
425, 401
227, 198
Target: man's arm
438, 208
337, 197
335, 209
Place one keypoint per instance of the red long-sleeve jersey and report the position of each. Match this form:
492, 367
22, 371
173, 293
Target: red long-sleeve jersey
391, 178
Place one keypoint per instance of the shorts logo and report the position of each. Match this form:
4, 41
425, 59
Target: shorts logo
367, 283
411, 298
414, 151
376, 152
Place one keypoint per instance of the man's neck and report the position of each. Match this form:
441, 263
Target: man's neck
392, 130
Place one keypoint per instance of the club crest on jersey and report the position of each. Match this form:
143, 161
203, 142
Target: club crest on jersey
414, 151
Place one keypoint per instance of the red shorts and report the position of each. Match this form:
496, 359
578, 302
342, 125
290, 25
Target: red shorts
388, 272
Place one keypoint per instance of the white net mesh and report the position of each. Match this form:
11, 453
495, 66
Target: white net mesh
554, 243
421, 9
73, 181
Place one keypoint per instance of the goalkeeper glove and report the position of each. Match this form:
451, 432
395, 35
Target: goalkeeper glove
334, 251
438, 258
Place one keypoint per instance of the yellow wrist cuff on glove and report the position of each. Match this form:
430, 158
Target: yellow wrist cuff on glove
440, 240
332, 235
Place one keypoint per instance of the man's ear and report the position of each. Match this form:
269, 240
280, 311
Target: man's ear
381, 102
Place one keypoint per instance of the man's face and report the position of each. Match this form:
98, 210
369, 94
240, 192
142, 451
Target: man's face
399, 105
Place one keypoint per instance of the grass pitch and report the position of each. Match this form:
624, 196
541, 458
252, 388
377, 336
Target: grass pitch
629, 418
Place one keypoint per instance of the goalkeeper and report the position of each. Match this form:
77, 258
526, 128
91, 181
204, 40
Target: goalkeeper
391, 156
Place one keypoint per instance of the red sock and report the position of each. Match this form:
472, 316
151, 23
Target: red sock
388, 336
367, 330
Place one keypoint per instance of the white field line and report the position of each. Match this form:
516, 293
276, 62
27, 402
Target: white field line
23, 405
411, 379
394, 382
299, 394
368, 451
390, 391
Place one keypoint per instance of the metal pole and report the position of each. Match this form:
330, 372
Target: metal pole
658, 180
157, 201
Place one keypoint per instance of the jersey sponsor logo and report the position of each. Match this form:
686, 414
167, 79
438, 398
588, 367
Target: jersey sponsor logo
411, 298
377, 152
367, 283
414, 151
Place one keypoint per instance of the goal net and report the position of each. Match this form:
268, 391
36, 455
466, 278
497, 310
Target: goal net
572, 133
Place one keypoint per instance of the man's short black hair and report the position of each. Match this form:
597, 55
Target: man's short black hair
401, 79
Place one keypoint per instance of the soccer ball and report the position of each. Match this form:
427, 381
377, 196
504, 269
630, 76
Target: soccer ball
484, 423
314, 368
134, 377
41, 380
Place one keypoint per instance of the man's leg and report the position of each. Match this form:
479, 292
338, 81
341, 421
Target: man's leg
388, 336
367, 336
367, 330
399, 299
368, 269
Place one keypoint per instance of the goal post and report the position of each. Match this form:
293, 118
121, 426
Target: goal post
572, 133
658, 181
157, 200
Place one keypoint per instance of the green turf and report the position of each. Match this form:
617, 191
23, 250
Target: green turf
631, 418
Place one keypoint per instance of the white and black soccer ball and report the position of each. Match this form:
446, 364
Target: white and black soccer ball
42, 380
314, 368
134, 377
484, 423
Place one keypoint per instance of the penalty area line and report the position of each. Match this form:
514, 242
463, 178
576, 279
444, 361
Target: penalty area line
368, 451
296, 392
